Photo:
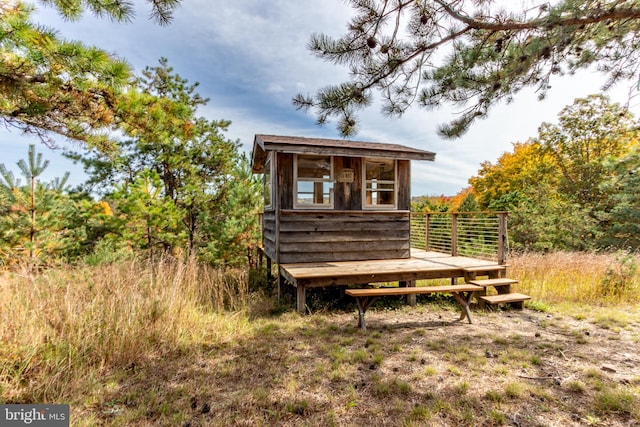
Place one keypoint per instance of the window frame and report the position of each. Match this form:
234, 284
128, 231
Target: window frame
330, 180
366, 183
268, 164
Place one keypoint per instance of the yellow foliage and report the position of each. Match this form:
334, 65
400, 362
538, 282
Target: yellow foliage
105, 208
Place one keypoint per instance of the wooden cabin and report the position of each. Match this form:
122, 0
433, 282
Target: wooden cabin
334, 200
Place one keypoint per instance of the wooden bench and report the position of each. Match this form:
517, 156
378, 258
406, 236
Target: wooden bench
366, 297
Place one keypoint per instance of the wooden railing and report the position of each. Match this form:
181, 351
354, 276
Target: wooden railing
474, 234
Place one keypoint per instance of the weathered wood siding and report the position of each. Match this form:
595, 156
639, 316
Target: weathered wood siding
285, 181
269, 234
404, 185
315, 236
348, 195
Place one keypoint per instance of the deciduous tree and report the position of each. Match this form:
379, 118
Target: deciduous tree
500, 186
621, 219
571, 187
588, 132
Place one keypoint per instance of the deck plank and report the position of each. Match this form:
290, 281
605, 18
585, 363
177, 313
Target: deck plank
421, 265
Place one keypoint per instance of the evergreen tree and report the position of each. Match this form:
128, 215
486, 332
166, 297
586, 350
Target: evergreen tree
119, 10
145, 218
469, 53
622, 218
48, 85
230, 234
195, 163
52, 86
34, 221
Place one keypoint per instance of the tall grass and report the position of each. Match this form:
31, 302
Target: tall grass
60, 328
63, 331
578, 277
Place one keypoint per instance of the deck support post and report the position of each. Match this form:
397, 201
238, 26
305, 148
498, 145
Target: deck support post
269, 276
411, 298
281, 285
301, 300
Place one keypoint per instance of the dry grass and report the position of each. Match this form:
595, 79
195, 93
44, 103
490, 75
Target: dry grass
192, 346
578, 277
63, 329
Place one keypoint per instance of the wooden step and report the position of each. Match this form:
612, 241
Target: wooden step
484, 268
493, 282
504, 298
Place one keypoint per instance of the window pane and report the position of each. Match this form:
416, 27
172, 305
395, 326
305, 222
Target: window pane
380, 184
380, 169
314, 166
267, 183
305, 187
378, 198
314, 193
314, 180
327, 188
305, 198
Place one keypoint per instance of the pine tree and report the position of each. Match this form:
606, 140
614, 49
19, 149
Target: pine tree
195, 163
121, 11
34, 214
52, 86
145, 218
468, 53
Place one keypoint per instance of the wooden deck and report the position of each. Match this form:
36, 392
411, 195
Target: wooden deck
422, 265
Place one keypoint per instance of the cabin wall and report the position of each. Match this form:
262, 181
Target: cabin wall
344, 233
269, 234
316, 236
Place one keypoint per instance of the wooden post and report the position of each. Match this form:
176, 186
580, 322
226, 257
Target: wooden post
281, 284
427, 224
454, 234
301, 299
411, 298
502, 238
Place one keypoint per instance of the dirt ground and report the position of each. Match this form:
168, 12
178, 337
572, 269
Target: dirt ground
545, 353
413, 366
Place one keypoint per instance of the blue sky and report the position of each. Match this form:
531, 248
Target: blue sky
250, 58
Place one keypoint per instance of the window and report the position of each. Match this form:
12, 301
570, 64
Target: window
380, 183
268, 184
313, 181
